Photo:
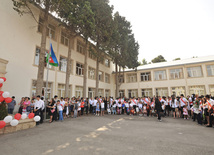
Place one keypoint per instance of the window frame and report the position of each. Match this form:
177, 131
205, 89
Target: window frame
159, 75
82, 69
143, 76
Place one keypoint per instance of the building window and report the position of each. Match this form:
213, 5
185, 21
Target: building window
64, 39
132, 93
177, 91
212, 90
80, 47
63, 64
107, 62
79, 69
145, 76
194, 72
100, 92
91, 55
122, 93
49, 89
210, 70
61, 91
147, 92
200, 90
50, 29
79, 91
107, 78
162, 92
160, 75
131, 78
91, 73
121, 78
176, 73
91, 92
101, 76
107, 92
37, 54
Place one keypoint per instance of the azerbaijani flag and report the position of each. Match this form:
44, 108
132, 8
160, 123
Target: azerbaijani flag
52, 58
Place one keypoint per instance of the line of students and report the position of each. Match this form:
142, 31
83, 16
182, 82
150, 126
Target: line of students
195, 107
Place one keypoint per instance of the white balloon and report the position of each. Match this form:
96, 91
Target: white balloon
24, 116
6, 94
14, 122
37, 118
8, 119
1, 80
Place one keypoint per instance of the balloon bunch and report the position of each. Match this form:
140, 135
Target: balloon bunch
4, 96
17, 117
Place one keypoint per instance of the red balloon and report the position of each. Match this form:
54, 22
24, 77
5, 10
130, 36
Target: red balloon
1, 84
2, 124
1, 92
1, 98
3, 78
31, 115
18, 116
8, 100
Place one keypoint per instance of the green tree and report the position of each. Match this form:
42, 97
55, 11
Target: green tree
159, 58
103, 21
119, 45
176, 59
46, 6
80, 20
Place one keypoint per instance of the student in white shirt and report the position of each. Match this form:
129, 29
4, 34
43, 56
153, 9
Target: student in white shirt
60, 109
102, 108
94, 105
183, 101
37, 107
42, 110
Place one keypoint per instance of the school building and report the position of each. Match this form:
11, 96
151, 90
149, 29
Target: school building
20, 39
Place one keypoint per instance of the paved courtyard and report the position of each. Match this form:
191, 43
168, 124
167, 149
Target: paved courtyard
111, 135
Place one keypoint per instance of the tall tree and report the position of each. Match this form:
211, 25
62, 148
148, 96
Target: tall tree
159, 58
122, 47
103, 21
47, 6
79, 18
119, 44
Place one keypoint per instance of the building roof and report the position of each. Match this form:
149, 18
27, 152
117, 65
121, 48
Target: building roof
175, 63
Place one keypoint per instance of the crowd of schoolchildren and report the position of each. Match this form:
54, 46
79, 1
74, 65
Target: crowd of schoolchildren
200, 108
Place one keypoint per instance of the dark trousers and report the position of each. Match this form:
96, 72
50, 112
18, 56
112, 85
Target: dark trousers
159, 115
194, 116
55, 114
94, 109
82, 110
10, 111
86, 109
199, 118
210, 119
42, 116
91, 108
37, 113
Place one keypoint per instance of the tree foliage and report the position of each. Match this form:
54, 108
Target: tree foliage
159, 58
176, 59
143, 62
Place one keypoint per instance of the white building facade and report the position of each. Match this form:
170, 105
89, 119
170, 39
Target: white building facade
188, 76
20, 47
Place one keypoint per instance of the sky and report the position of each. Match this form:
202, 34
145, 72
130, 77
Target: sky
172, 28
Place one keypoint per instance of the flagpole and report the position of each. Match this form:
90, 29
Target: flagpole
46, 89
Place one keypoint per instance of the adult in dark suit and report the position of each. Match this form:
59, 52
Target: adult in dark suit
158, 108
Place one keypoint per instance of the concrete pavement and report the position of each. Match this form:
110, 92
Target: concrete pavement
111, 135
